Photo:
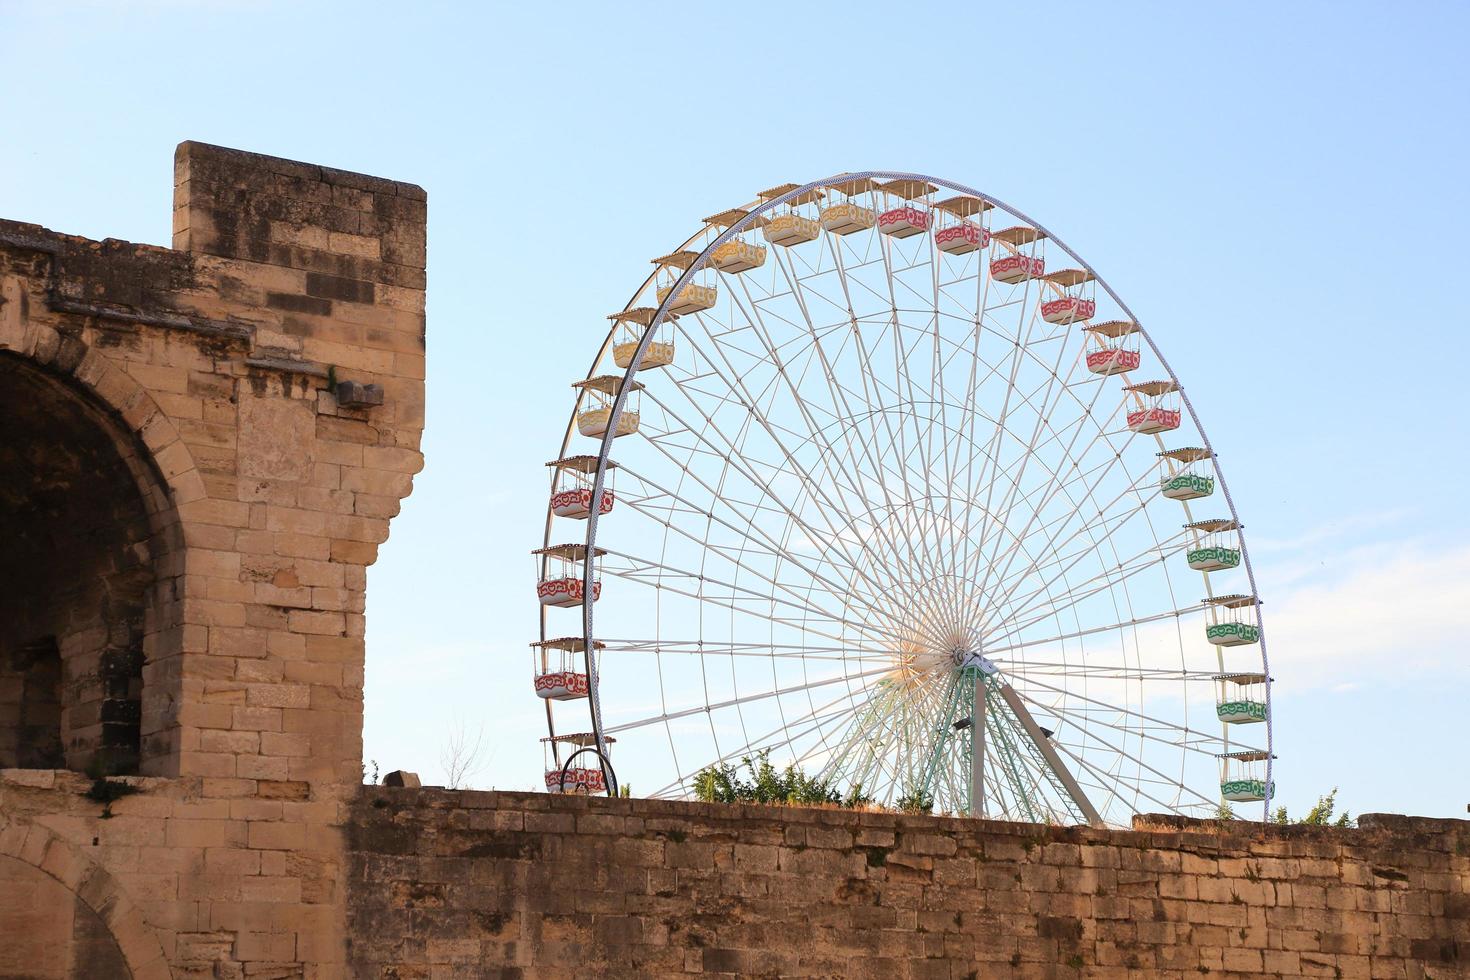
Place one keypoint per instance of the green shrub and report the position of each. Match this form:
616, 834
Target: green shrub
916, 801
756, 780
1320, 815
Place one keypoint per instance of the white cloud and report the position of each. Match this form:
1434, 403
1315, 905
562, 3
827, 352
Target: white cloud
1323, 533
1396, 608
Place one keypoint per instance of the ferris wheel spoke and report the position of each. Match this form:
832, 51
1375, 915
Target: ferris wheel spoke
826, 505
1057, 484
938, 371
1093, 714
1052, 544
1122, 624
998, 606
657, 575
1019, 540
976, 558
904, 387
991, 468
1000, 426
820, 745
1089, 719
1092, 537
1040, 604
1106, 528
1004, 593
829, 452
1078, 755
753, 648
729, 455
815, 719
745, 699
901, 496
1028, 398
1020, 669
1042, 416
854, 757
1051, 531
913, 461
872, 386
972, 389
881, 770
1109, 784
763, 543
749, 516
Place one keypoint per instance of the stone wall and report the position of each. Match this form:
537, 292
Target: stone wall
507, 884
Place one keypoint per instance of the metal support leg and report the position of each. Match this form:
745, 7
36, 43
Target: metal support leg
977, 750
1033, 731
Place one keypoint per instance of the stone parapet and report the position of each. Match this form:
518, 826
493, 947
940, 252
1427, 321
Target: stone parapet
349, 231
474, 884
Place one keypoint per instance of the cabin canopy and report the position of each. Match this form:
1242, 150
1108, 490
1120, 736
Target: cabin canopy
964, 206
568, 644
608, 384
1018, 235
1186, 454
569, 552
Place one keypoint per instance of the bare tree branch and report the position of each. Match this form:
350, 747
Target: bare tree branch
461, 756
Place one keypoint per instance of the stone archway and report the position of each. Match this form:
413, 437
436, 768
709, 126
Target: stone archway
51, 933
65, 918
86, 527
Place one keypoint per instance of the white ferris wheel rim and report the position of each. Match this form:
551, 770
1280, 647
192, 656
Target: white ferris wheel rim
753, 215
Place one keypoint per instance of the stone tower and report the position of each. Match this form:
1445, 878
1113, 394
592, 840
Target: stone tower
203, 448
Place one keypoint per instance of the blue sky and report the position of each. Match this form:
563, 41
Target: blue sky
1277, 191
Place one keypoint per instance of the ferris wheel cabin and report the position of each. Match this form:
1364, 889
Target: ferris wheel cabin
1156, 407
559, 668
571, 487
905, 219
956, 235
601, 392
1070, 306
1185, 478
736, 255
559, 574
1243, 778
847, 216
1115, 347
1241, 698
694, 297
1016, 266
582, 780
1233, 620
660, 351
1216, 545
791, 226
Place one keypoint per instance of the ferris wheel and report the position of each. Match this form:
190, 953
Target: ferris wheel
876, 476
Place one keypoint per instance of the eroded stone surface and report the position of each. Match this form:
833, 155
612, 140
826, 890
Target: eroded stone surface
510, 884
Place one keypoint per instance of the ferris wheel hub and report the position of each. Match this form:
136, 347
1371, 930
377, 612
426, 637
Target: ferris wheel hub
974, 660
